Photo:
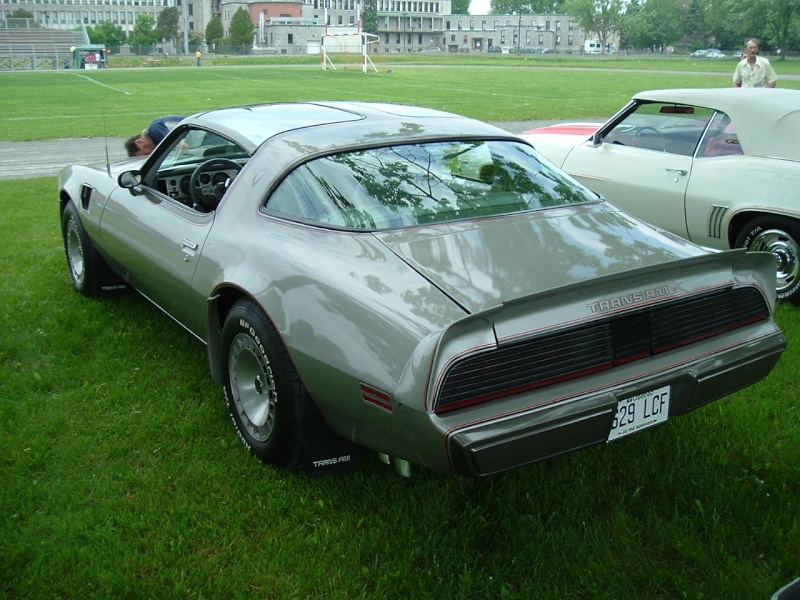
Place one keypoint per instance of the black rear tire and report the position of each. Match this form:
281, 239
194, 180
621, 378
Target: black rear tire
90, 274
266, 399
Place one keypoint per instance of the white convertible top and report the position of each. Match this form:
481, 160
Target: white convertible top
767, 120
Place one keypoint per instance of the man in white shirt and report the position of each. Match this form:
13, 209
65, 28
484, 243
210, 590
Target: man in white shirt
754, 70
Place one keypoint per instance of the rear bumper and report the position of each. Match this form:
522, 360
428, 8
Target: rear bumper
501, 444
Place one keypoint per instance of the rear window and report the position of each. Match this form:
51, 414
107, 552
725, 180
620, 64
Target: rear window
404, 186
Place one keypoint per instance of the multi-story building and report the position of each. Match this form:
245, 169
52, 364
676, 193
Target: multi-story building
68, 14
298, 26
513, 33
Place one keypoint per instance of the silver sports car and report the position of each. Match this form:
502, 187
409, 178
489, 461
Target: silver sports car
416, 283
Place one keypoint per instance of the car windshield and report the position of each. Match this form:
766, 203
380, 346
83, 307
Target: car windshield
197, 145
404, 186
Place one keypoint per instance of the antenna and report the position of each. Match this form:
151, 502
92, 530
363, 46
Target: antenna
105, 137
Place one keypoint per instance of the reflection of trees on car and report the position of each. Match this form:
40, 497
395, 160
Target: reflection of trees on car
428, 183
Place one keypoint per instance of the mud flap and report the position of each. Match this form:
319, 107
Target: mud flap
324, 451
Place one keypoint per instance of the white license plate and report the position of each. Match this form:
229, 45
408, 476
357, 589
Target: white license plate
640, 412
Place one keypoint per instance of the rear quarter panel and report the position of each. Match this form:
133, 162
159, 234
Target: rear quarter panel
736, 186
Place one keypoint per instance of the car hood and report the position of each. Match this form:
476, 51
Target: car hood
481, 264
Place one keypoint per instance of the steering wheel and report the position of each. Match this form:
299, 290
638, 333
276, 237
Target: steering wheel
650, 130
205, 190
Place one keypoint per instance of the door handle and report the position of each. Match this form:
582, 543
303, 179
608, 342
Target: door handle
678, 171
188, 247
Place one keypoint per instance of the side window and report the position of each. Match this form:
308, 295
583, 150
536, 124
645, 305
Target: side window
172, 173
720, 138
670, 128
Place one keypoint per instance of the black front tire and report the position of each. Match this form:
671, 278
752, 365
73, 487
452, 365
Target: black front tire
90, 274
266, 399
781, 237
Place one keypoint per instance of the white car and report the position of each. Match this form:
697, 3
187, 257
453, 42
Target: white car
720, 167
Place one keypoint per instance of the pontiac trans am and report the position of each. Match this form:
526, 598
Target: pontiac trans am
415, 283
719, 167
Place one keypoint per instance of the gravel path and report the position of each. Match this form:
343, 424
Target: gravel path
23, 160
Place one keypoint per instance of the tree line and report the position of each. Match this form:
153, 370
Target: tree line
658, 24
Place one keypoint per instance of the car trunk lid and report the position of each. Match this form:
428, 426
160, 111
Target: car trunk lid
482, 264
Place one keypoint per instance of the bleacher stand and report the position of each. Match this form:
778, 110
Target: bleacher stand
36, 48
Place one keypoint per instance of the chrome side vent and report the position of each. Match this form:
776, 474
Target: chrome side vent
715, 221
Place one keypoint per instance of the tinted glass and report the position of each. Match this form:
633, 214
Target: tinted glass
403, 186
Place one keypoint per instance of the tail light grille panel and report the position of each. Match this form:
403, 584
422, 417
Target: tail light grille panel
596, 346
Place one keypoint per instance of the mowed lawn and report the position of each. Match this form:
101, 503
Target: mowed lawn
121, 475
119, 102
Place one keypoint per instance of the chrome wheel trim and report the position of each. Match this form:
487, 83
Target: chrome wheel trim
75, 252
786, 253
252, 387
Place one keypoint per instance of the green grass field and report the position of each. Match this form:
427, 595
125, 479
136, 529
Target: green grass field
122, 476
119, 102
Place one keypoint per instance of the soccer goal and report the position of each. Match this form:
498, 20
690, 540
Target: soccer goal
348, 40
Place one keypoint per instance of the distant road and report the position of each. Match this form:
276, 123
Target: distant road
24, 160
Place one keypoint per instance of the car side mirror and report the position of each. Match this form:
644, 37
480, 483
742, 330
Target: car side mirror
596, 139
130, 180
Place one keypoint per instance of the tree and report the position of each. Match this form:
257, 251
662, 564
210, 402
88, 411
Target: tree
143, 33
214, 30
369, 17
21, 13
527, 7
655, 26
108, 34
694, 26
779, 21
241, 29
167, 25
602, 17
459, 7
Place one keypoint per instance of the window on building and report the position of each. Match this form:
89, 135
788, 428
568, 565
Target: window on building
290, 39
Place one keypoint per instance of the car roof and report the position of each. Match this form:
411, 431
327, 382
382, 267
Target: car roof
767, 120
303, 128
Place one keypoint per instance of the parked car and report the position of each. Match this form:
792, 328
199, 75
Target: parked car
719, 167
714, 53
698, 53
416, 283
